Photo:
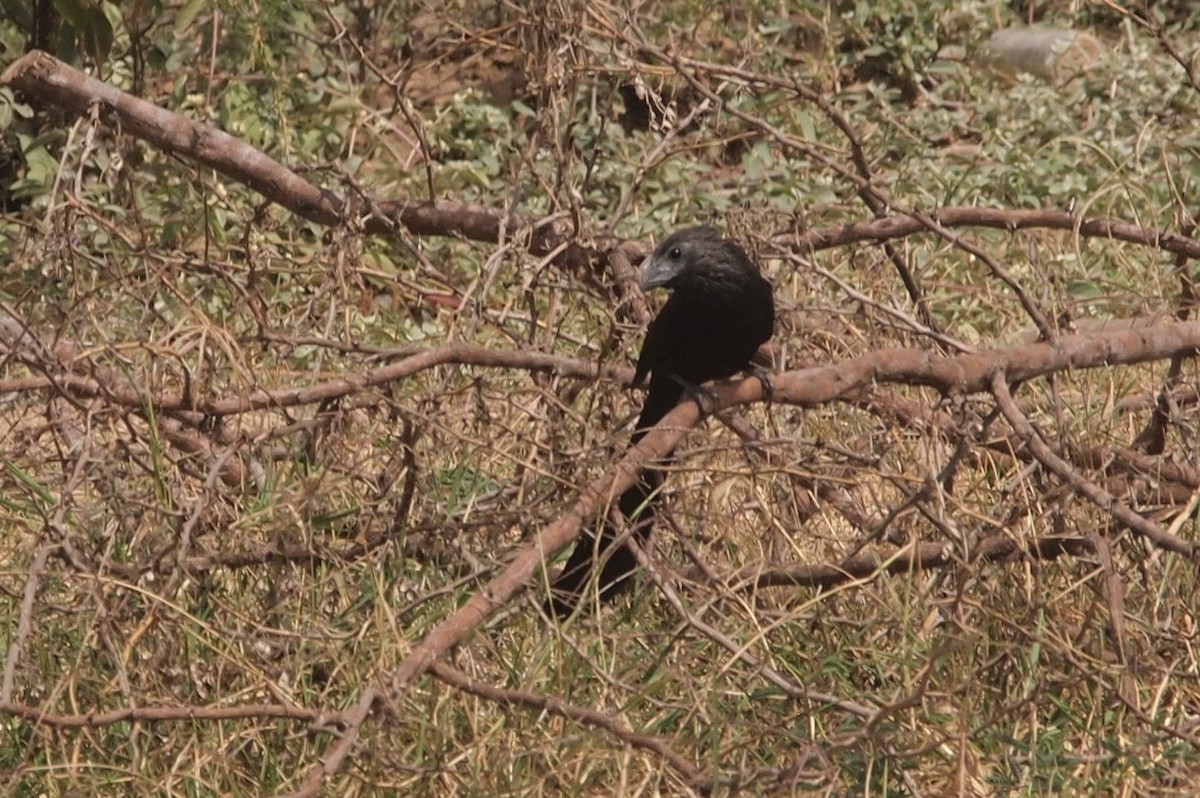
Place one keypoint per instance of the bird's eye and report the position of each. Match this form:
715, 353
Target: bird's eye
675, 253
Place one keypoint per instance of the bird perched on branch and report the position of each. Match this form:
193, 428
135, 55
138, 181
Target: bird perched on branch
720, 311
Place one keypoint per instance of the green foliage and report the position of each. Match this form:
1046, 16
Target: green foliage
69, 29
895, 41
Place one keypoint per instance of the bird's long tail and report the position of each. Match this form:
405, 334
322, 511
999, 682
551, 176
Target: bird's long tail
636, 504
617, 561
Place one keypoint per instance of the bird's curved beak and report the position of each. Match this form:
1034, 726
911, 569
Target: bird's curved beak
657, 272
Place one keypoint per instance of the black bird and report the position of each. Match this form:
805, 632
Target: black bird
720, 311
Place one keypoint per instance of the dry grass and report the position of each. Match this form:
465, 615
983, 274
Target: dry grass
229, 584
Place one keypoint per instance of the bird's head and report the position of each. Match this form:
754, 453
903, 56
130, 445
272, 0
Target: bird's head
694, 255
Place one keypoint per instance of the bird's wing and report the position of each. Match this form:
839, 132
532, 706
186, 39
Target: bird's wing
654, 347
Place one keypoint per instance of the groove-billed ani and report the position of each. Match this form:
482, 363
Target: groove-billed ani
720, 311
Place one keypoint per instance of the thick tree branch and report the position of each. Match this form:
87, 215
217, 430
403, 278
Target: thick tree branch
963, 373
53, 82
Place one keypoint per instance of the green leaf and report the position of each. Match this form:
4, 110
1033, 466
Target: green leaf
187, 15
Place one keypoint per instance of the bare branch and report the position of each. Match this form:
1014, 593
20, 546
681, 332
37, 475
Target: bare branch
1010, 220
590, 717
917, 557
1120, 511
95, 720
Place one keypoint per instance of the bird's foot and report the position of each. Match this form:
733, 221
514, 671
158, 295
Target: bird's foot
704, 397
764, 378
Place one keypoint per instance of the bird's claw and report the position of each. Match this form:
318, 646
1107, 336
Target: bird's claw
764, 378
704, 397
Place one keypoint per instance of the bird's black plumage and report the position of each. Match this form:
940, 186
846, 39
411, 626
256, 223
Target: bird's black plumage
720, 311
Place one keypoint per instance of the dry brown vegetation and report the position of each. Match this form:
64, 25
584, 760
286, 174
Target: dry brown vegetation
295, 416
